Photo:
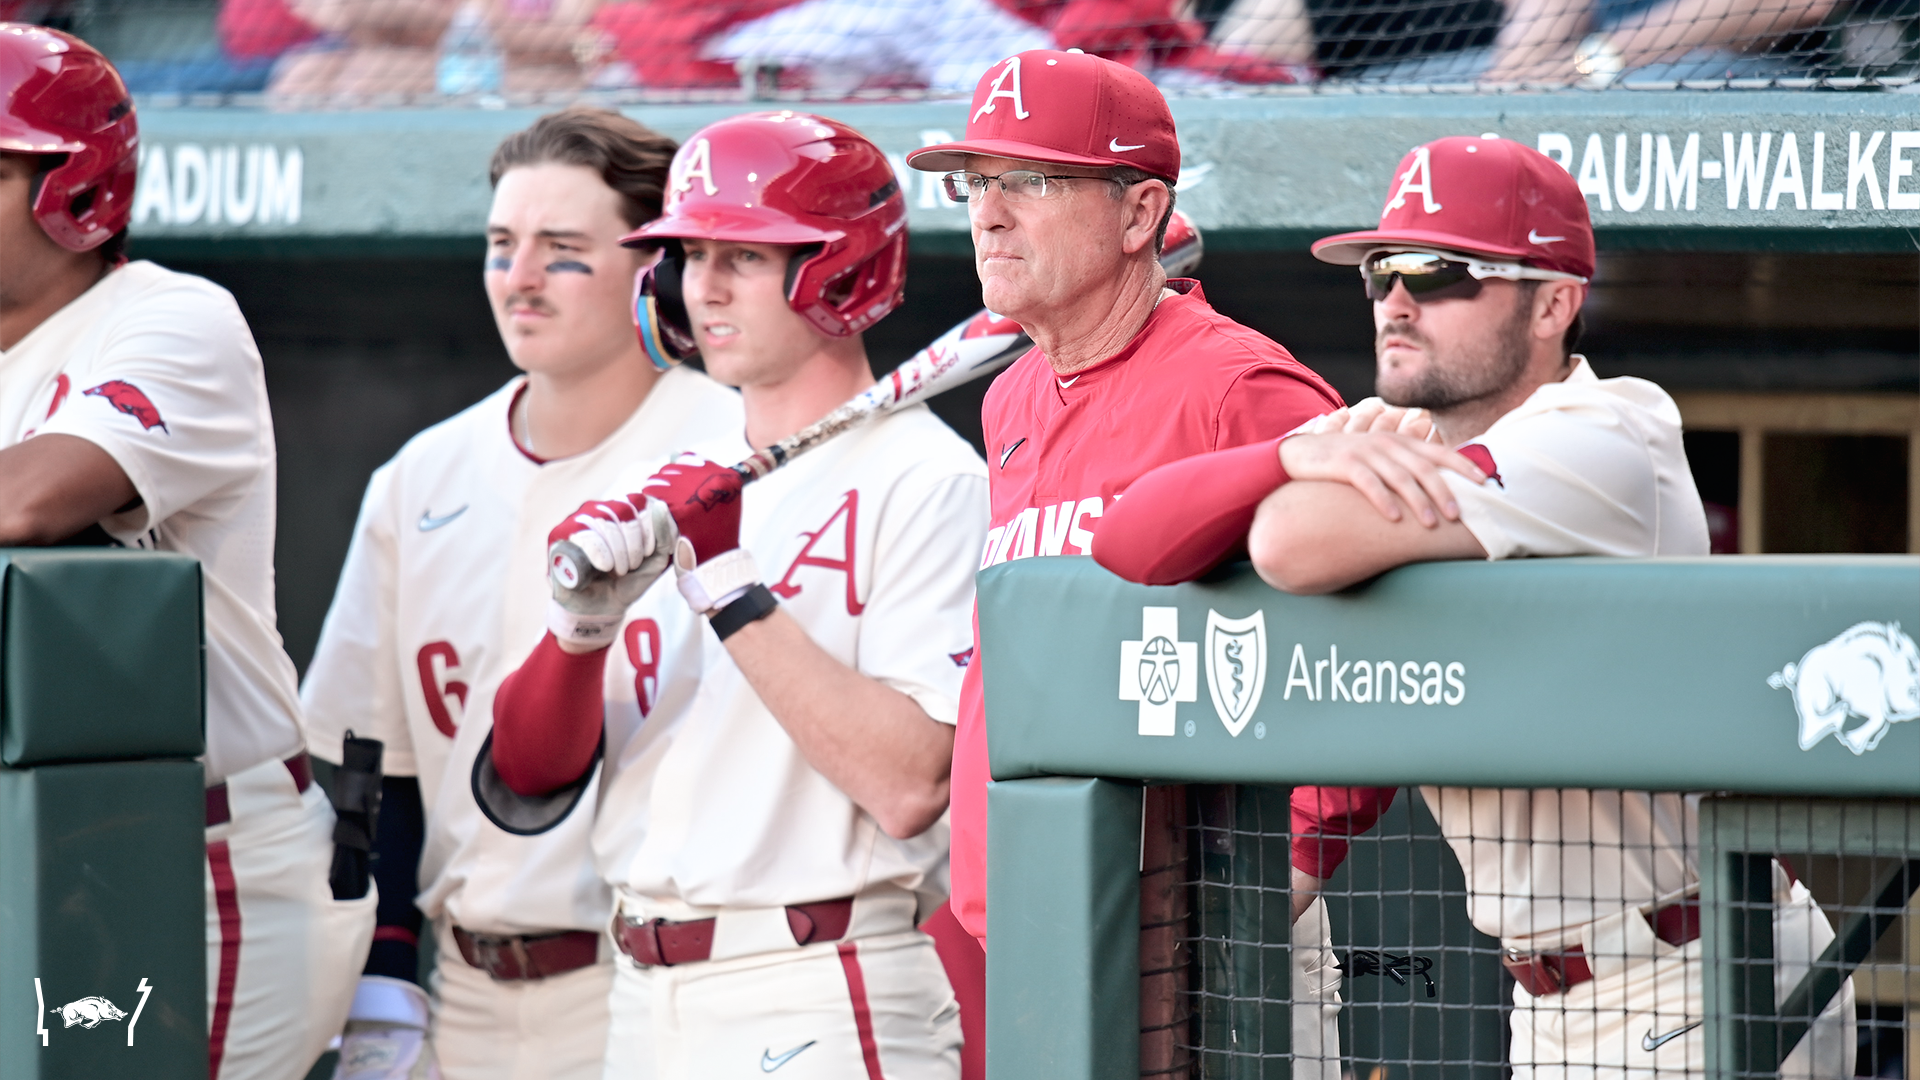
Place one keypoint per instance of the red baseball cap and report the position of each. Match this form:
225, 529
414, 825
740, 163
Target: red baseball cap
1485, 196
1066, 108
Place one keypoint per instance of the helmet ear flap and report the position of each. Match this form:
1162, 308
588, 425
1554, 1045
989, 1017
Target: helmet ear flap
660, 311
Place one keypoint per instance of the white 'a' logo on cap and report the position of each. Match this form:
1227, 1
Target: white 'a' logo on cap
999, 90
1418, 177
700, 164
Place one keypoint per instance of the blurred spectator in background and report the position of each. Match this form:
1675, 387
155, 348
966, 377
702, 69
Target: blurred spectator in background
409, 48
834, 47
1276, 30
261, 30
846, 45
373, 48
1594, 42
657, 43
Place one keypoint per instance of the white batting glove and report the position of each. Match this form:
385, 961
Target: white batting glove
386, 1035
629, 553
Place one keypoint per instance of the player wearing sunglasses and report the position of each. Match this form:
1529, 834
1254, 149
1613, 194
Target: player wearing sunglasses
1477, 275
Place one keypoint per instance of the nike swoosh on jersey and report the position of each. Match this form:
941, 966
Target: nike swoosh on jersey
1649, 1043
768, 1062
1008, 452
1114, 145
428, 522
1535, 238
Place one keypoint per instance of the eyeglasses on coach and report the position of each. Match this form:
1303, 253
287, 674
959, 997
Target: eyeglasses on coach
1017, 185
1434, 275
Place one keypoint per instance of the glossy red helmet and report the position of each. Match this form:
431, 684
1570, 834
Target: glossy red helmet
781, 178
63, 97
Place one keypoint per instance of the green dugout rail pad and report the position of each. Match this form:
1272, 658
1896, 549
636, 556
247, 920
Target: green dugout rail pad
102, 656
102, 816
1664, 674
1791, 681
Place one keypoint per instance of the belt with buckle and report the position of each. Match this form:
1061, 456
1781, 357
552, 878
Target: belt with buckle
1541, 974
219, 812
659, 943
528, 957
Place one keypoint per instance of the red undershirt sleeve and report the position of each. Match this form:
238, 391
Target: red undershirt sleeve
547, 719
1325, 817
1182, 519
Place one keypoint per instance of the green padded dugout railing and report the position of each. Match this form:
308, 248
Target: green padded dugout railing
102, 817
1674, 675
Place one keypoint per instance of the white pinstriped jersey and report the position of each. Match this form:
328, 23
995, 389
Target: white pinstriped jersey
870, 543
441, 595
159, 370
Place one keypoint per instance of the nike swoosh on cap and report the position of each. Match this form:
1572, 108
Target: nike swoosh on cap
768, 1062
1114, 145
428, 522
1535, 238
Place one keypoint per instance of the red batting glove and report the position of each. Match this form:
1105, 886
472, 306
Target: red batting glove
704, 498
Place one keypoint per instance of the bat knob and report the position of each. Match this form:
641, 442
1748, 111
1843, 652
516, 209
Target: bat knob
568, 566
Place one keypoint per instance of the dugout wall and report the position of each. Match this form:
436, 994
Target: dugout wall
1567, 673
102, 816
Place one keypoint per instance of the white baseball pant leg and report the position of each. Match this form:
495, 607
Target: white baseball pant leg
283, 955
1316, 996
865, 1008
1646, 991
531, 1029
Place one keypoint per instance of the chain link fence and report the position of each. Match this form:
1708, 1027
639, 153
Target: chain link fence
1437, 957
375, 53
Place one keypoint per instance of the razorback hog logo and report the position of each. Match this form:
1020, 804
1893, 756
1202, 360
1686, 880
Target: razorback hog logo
1872, 670
131, 400
89, 1012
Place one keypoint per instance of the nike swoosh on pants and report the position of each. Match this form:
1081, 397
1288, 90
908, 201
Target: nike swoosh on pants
1650, 1043
768, 1062
428, 522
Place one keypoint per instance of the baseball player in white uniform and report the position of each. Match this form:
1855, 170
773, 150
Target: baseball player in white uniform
441, 586
775, 829
1477, 273
133, 412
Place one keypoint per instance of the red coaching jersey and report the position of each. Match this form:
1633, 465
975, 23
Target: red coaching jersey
1060, 451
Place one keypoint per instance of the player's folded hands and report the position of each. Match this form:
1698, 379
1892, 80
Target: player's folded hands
1395, 472
1374, 414
613, 533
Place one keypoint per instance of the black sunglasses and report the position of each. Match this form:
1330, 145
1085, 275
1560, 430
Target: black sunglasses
1429, 275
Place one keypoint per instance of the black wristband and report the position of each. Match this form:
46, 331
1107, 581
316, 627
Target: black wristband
756, 604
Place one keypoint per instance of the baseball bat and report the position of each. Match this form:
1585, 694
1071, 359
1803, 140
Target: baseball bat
981, 344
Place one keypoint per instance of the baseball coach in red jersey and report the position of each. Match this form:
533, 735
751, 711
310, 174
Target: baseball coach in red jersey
1067, 170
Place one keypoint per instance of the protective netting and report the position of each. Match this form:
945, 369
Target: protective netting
354, 53
1800, 953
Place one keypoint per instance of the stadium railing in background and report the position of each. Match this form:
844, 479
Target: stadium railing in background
1770, 692
329, 53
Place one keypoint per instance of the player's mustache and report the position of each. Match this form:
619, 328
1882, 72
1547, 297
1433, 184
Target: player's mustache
536, 304
1402, 329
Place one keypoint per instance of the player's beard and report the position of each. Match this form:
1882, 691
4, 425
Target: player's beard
1455, 376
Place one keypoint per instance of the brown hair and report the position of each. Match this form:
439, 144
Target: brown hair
629, 156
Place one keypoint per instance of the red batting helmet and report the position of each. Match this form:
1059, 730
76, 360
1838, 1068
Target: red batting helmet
63, 97
782, 178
